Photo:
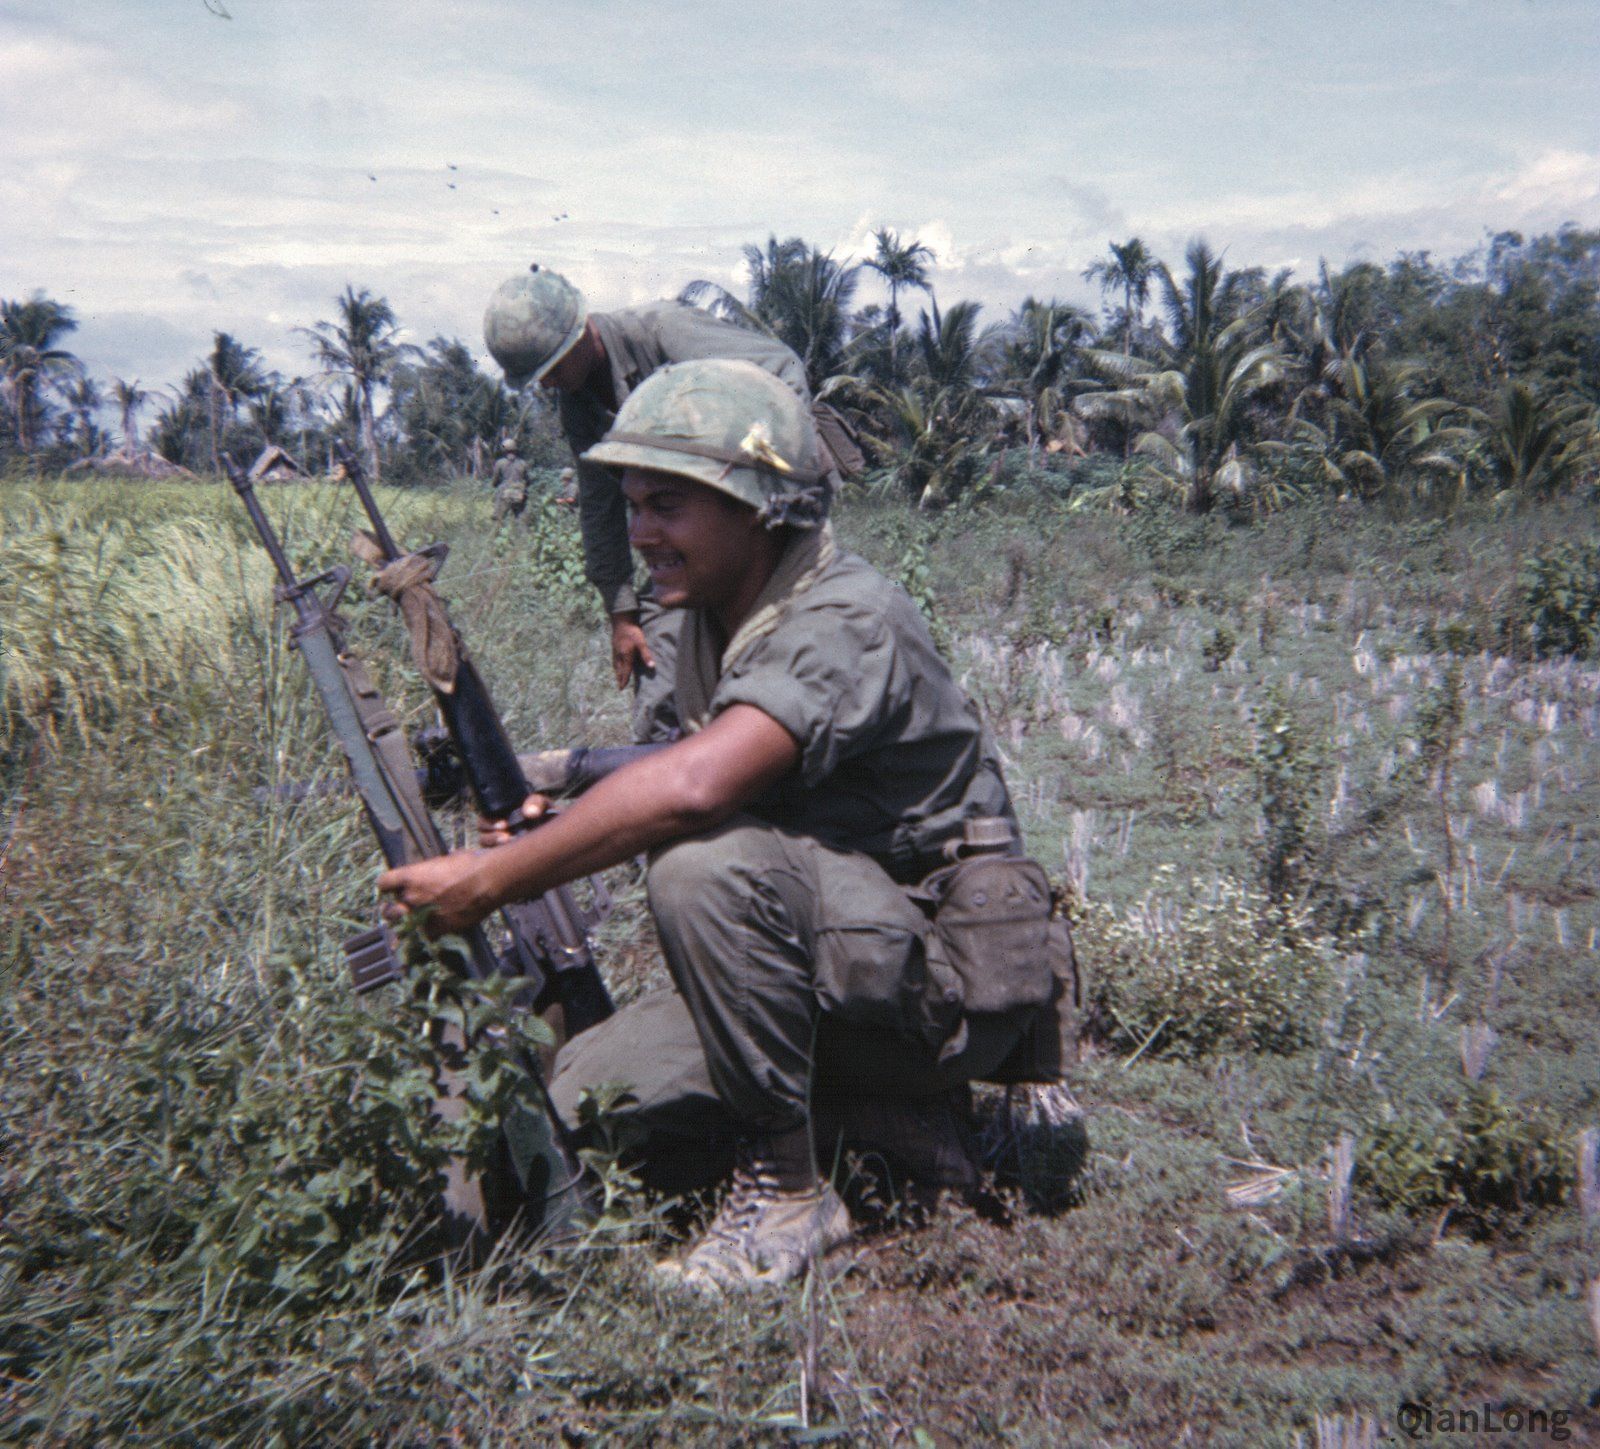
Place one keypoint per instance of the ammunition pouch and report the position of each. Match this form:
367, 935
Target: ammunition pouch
995, 927
1049, 1046
991, 924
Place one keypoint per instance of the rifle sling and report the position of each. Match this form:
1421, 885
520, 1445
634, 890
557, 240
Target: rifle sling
382, 728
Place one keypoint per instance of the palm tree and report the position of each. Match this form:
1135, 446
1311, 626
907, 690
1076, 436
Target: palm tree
1197, 309
762, 268
948, 346
181, 422
1130, 269
1038, 344
939, 423
83, 399
235, 376
1214, 365
936, 434
29, 356
269, 411
901, 265
1377, 427
798, 295
363, 345
1538, 442
808, 307
129, 398
1382, 428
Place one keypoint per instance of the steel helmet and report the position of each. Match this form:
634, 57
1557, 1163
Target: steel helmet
531, 323
730, 425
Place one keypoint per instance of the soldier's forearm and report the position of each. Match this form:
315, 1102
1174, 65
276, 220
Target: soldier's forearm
688, 787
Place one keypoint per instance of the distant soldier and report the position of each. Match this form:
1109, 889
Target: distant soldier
539, 329
510, 482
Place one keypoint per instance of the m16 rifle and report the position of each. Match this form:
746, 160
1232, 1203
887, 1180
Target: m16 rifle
549, 935
543, 1186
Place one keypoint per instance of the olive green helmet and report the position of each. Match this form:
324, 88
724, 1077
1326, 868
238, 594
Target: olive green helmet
729, 425
531, 323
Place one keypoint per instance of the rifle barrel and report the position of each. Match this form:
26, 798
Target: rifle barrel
380, 529
264, 530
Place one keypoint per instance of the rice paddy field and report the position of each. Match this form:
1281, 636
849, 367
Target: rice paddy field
1326, 801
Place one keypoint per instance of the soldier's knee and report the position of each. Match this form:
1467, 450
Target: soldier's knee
680, 874
695, 873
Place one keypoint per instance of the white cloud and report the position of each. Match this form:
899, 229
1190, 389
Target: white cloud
1563, 180
61, 94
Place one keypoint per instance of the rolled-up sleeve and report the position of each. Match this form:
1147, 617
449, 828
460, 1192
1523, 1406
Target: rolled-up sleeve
836, 686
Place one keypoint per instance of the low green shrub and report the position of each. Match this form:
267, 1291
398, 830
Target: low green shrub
1218, 966
1486, 1166
1558, 595
914, 573
1286, 783
1218, 648
547, 537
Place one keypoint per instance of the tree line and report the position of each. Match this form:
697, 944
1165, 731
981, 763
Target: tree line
1195, 381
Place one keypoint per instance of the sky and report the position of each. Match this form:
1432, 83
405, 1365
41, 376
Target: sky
169, 171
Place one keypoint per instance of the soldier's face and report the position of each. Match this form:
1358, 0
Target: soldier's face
572, 371
699, 545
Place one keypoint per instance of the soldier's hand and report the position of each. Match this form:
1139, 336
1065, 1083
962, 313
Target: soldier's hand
629, 651
497, 832
446, 883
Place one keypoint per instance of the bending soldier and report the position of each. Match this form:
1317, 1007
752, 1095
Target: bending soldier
830, 773
538, 328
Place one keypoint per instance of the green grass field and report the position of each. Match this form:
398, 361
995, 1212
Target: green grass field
1333, 832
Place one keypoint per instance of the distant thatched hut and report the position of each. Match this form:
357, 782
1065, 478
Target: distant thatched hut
275, 466
128, 463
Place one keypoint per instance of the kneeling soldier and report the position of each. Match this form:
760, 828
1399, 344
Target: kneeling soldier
834, 868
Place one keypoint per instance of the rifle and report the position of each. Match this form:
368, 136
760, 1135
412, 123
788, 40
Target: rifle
384, 777
442, 779
550, 935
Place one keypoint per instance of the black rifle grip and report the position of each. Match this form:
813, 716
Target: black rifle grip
498, 785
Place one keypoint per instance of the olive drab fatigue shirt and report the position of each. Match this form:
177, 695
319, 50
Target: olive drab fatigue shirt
638, 340
893, 755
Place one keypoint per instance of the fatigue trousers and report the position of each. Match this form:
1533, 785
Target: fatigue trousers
509, 502
800, 975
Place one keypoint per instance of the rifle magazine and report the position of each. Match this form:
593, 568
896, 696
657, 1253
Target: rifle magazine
373, 959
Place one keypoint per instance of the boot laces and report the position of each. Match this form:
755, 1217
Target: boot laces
751, 1192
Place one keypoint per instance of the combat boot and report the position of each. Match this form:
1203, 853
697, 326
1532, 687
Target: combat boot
764, 1233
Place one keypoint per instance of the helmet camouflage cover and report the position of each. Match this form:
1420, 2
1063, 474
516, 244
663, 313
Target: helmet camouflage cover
531, 323
730, 425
